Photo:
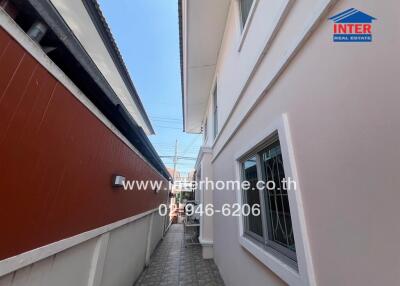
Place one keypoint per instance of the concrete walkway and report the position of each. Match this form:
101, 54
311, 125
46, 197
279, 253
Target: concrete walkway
174, 265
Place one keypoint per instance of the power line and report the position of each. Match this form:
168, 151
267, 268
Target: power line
168, 127
168, 120
190, 145
175, 157
165, 118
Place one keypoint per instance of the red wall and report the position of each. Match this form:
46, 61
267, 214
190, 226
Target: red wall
57, 160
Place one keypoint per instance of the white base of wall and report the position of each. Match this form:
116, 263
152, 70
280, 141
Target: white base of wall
116, 257
207, 249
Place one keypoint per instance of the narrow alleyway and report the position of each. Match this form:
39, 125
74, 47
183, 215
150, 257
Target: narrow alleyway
174, 265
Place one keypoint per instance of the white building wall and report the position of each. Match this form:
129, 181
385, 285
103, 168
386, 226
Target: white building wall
69, 267
126, 253
157, 230
342, 105
114, 258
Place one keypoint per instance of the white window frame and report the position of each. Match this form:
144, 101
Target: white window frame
304, 273
289, 256
205, 130
244, 28
214, 111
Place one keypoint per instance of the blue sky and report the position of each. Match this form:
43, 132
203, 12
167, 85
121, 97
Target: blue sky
147, 34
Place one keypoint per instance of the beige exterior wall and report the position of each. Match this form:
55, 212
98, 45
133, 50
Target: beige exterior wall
342, 103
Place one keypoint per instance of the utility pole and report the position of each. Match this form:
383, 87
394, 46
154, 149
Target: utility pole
175, 160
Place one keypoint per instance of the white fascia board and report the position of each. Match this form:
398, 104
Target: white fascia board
203, 29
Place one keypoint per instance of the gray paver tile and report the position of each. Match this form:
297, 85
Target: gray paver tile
174, 265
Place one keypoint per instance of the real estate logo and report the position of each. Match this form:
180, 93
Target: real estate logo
352, 25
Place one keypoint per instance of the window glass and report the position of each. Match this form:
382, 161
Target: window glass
215, 102
252, 196
245, 6
205, 130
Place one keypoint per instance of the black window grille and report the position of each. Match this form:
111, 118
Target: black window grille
273, 227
